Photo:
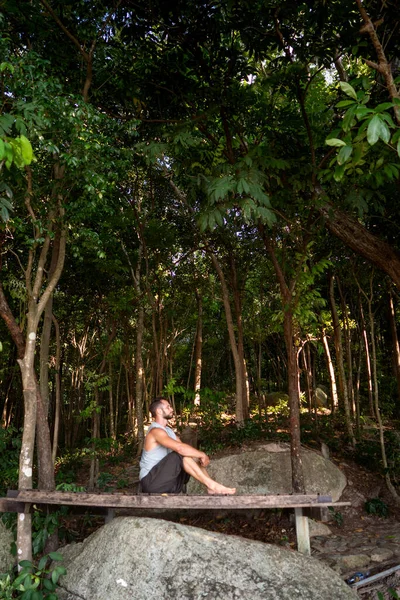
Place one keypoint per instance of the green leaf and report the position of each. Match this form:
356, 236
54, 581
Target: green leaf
344, 103
344, 154
377, 129
26, 564
2, 149
398, 147
26, 150
49, 585
383, 106
335, 142
42, 563
339, 172
348, 89
348, 120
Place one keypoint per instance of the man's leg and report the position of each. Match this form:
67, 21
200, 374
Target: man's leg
198, 472
166, 477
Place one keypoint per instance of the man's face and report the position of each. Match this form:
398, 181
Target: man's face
167, 410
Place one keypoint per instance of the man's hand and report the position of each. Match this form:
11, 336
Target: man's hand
204, 461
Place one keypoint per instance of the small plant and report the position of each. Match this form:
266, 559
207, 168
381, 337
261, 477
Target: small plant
103, 481
391, 592
336, 516
376, 506
122, 483
33, 583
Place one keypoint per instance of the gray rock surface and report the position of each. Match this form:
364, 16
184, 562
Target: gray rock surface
147, 559
267, 470
6, 558
317, 528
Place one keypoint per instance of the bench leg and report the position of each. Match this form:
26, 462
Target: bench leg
302, 532
110, 515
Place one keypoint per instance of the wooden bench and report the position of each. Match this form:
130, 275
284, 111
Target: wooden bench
23, 500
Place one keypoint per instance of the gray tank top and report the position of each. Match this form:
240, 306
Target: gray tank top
150, 458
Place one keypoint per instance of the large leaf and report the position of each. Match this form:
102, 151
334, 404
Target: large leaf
377, 129
335, 142
348, 89
344, 154
26, 150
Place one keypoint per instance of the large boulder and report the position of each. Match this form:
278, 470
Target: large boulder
148, 559
268, 470
6, 539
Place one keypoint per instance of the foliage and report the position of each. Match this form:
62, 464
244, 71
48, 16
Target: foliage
376, 125
336, 515
33, 582
10, 443
392, 593
376, 506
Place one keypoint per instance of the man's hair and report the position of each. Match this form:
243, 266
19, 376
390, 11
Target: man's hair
157, 403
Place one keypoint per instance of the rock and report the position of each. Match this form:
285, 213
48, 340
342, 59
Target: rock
355, 497
320, 397
381, 554
267, 471
276, 398
6, 539
148, 559
318, 528
353, 561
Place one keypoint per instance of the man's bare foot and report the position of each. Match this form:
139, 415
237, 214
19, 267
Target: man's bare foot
217, 488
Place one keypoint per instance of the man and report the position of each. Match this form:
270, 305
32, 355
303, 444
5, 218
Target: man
167, 463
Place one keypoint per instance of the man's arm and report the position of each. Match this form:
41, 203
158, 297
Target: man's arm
162, 438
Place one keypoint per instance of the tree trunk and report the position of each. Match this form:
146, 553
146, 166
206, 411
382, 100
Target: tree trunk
339, 359
139, 379
294, 405
292, 370
198, 349
376, 400
25, 480
240, 386
367, 361
359, 239
57, 411
349, 358
331, 371
396, 347
111, 401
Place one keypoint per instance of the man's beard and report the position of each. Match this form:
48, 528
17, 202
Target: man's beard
169, 416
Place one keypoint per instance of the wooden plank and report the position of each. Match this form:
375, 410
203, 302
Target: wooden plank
171, 501
302, 532
11, 505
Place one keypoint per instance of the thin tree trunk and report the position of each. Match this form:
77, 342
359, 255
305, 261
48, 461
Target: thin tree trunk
339, 358
198, 349
292, 370
331, 371
57, 410
349, 358
376, 398
139, 379
111, 401
395, 341
294, 405
367, 360
357, 392
234, 348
